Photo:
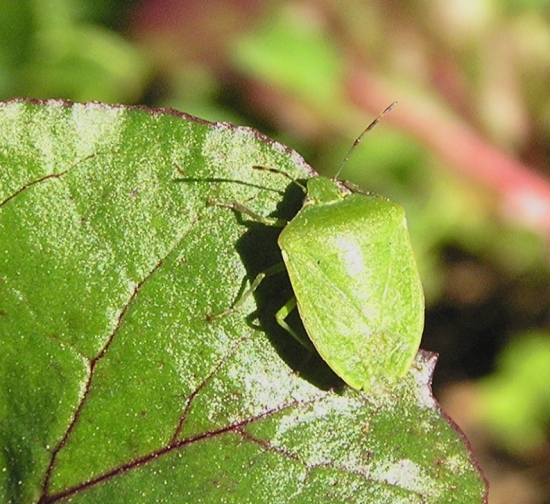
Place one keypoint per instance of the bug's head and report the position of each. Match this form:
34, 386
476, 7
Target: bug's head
324, 190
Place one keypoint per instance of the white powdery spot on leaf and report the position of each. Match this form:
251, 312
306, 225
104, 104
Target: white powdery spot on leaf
310, 422
269, 385
231, 147
227, 147
422, 370
457, 464
407, 475
92, 128
296, 158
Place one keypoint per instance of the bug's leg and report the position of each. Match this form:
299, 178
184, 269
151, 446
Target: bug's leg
246, 294
239, 207
282, 314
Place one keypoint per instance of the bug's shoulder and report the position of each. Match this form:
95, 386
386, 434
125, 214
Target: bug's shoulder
351, 216
348, 203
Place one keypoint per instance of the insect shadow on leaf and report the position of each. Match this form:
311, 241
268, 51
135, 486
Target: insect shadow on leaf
260, 252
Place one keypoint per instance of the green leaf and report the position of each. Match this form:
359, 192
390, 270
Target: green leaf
115, 386
515, 399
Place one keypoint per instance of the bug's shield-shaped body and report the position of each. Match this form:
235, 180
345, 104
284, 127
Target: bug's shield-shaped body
357, 286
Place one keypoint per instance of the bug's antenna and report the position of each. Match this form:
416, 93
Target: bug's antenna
358, 139
281, 172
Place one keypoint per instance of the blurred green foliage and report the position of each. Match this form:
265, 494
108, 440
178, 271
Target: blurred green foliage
51, 49
516, 399
295, 56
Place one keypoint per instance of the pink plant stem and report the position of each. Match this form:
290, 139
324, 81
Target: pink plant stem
524, 195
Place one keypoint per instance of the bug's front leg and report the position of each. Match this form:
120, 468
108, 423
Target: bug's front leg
239, 207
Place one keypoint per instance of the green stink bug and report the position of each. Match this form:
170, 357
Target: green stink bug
356, 284
357, 287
